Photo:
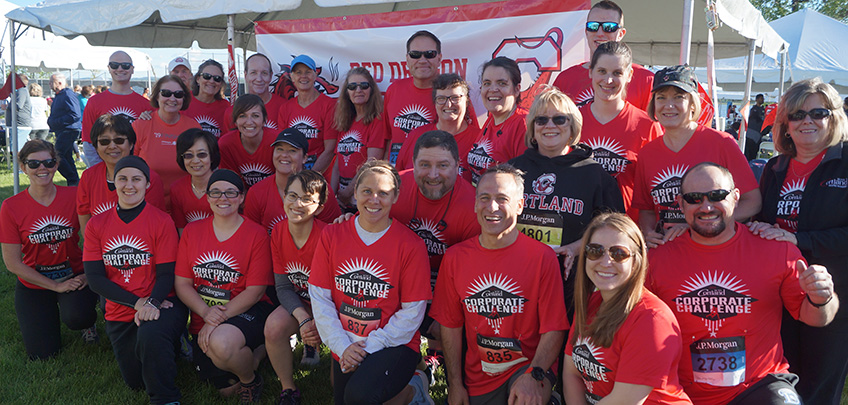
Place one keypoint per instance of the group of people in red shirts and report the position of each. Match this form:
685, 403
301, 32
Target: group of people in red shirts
603, 227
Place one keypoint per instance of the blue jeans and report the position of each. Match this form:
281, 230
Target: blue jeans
65, 148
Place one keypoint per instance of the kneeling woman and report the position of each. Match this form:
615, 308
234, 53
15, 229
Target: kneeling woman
619, 324
223, 269
129, 259
369, 288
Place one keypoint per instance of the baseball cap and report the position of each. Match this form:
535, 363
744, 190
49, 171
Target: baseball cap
680, 76
179, 60
306, 60
293, 137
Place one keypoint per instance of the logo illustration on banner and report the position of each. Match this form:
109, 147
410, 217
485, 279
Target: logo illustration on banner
363, 280
714, 297
610, 154
52, 231
283, 86
217, 268
494, 297
126, 253
541, 57
544, 184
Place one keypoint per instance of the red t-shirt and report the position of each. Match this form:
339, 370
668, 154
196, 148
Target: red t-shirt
292, 262
645, 350
617, 143
131, 252
660, 170
272, 108
497, 144
729, 301
264, 205
789, 200
157, 145
253, 168
406, 107
130, 106
369, 282
211, 117
441, 223
221, 270
464, 142
575, 83
94, 196
186, 207
352, 146
49, 236
315, 121
505, 299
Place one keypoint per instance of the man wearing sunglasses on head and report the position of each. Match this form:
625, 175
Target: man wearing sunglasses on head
119, 99
66, 122
728, 287
604, 23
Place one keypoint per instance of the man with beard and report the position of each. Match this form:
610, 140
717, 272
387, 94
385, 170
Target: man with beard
727, 288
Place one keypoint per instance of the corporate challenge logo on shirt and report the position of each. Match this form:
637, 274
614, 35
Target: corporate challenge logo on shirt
480, 157
192, 216
298, 275
411, 117
217, 268
124, 112
350, 143
494, 296
713, 297
209, 124
305, 124
789, 203
102, 207
126, 253
363, 280
610, 154
665, 187
254, 172
50, 230
588, 359
431, 233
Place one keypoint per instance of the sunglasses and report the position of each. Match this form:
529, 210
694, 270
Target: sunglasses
361, 85
594, 26
169, 93
305, 200
618, 254
815, 113
419, 54
207, 76
199, 155
218, 193
713, 196
107, 141
558, 120
122, 65
48, 163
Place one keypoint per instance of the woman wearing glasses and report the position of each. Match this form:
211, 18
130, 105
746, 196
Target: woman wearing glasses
804, 194
114, 138
624, 345
157, 137
39, 233
197, 155
223, 269
361, 129
208, 106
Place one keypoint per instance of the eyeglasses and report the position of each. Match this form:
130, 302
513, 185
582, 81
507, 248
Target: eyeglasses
107, 141
594, 26
618, 254
168, 93
207, 76
122, 65
305, 200
199, 155
361, 85
815, 113
557, 119
419, 54
48, 163
215, 193
713, 196
454, 99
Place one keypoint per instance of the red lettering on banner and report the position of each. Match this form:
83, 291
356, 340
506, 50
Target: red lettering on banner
375, 68
458, 66
399, 71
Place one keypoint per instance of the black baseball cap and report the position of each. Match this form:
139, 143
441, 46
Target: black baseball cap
680, 76
293, 137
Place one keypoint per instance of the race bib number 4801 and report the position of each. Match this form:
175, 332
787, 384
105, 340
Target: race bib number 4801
719, 362
498, 355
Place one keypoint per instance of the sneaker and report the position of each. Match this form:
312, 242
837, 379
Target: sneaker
293, 341
433, 360
251, 393
289, 397
420, 385
186, 352
90, 336
310, 357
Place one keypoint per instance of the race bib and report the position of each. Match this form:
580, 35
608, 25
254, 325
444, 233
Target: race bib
213, 296
545, 227
395, 151
498, 355
310, 161
56, 272
719, 362
359, 321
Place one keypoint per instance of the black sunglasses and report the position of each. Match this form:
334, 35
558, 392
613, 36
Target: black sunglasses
361, 85
594, 26
33, 164
169, 93
122, 65
208, 76
200, 155
713, 196
618, 254
815, 113
419, 54
558, 120
107, 141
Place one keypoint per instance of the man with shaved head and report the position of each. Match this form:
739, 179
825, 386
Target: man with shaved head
66, 122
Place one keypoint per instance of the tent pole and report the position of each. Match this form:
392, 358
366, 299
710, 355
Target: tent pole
13, 108
749, 78
782, 73
686, 31
232, 76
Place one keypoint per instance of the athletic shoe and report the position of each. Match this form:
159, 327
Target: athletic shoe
293, 341
310, 357
90, 336
186, 352
251, 393
420, 385
433, 360
289, 397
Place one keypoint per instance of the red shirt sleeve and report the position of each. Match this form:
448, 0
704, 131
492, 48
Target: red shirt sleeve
447, 305
649, 347
253, 206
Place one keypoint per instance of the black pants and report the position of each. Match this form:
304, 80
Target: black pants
379, 378
819, 356
147, 354
65, 141
39, 313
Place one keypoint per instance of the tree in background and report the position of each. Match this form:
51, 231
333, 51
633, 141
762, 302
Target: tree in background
774, 9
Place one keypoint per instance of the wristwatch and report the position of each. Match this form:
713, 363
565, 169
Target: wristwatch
537, 373
153, 301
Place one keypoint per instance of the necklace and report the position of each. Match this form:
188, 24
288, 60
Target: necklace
196, 191
814, 163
